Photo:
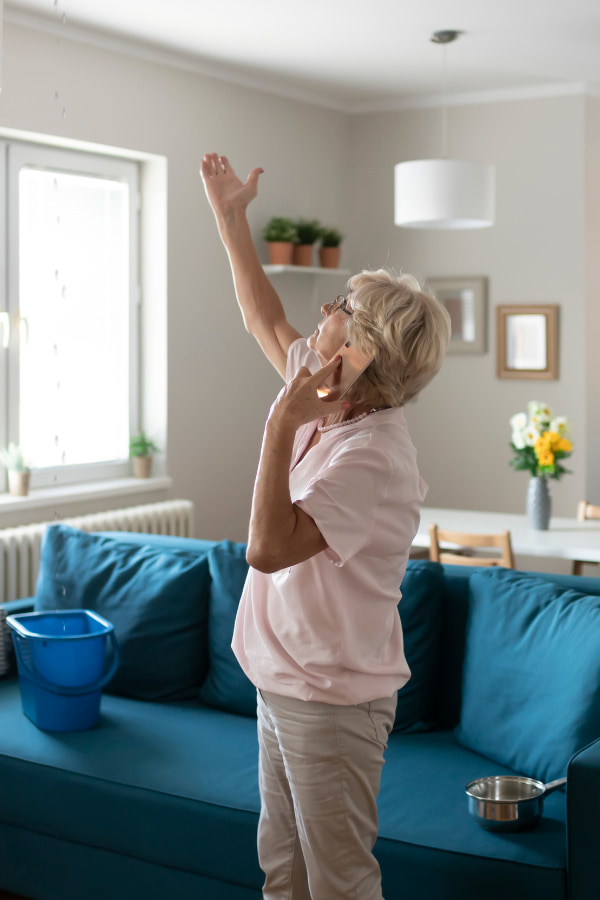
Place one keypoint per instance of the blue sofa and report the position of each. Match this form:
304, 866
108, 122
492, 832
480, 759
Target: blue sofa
160, 799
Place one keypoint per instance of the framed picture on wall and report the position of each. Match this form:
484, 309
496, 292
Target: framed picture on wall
527, 342
466, 301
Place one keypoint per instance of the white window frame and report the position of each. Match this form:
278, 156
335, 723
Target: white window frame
17, 155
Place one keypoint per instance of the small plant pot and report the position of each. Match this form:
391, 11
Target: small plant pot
280, 253
329, 257
142, 466
18, 483
302, 255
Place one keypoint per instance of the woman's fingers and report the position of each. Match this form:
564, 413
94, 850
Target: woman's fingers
327, 369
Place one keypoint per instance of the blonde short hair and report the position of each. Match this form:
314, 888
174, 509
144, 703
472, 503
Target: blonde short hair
406, 328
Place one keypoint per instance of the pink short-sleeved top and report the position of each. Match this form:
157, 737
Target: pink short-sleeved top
328, 629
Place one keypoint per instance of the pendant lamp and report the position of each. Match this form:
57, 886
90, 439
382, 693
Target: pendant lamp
444, 193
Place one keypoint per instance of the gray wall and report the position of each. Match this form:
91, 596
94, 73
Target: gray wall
338, 168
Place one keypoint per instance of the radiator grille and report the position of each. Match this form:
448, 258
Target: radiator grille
20, 547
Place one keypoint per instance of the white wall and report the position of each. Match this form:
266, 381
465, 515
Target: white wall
533, 254
219, 386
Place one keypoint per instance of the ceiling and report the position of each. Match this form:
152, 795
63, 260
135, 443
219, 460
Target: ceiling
353, 55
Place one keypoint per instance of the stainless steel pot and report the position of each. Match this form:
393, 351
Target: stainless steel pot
508, 802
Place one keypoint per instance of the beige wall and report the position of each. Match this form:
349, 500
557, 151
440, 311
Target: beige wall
340, 169
533, 254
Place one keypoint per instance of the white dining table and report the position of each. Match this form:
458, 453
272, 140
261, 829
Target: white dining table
567, 539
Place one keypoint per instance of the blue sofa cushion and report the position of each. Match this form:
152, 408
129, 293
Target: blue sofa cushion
226, 686
156, 598
421, 615
531, 688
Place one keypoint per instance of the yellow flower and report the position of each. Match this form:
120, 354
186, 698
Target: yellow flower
546, 458
564, 445
542, 444
554, 439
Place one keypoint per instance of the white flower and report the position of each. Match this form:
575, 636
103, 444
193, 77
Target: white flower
518, 440
518, 422
561, 425
540, 414
530, 435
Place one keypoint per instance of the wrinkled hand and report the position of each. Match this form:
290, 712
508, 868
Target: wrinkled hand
298, 402
225, 191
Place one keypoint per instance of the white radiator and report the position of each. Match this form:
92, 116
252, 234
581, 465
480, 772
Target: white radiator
20, 547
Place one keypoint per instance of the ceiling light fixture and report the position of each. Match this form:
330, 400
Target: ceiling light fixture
444, 193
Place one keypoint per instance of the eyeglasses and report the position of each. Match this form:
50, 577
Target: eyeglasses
340, 302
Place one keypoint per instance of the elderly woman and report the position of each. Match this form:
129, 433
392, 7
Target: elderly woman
335, 509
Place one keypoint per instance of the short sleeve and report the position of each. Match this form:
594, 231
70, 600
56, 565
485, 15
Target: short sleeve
343, 499
300, 354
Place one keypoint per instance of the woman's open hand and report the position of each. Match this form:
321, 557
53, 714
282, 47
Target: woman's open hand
298, 402
225, 191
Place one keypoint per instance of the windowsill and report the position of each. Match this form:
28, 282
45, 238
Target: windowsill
75, 493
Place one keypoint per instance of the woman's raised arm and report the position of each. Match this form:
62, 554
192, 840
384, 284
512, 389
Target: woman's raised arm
262, 310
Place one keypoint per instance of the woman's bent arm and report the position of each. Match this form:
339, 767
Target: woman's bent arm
281, 534
262, 310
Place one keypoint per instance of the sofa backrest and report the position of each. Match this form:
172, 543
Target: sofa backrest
456, 609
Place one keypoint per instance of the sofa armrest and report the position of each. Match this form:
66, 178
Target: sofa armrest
583, 823
8, 666
15, 607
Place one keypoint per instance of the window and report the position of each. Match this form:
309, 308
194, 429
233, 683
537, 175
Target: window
70, 339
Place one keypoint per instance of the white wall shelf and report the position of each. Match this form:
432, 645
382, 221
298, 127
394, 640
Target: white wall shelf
304, 270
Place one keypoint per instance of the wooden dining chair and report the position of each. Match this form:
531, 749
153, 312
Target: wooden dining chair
462, 542
585, 511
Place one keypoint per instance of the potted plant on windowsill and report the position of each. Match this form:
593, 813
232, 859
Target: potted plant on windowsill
19, 473
330, 251
308, 233
280, 235
141, 448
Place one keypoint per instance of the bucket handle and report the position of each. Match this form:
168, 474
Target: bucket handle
72, 691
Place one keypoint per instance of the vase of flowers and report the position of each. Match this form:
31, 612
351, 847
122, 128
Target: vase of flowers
540, 441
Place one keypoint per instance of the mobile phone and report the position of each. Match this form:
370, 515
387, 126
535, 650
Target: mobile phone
352, 366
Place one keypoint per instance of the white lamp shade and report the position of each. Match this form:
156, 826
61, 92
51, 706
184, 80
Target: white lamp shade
444, 193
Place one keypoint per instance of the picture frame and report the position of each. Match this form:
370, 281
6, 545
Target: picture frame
466, 301
527, 341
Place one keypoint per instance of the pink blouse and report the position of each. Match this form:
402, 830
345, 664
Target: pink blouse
328, 629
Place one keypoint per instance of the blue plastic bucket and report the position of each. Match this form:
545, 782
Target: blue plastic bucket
61, 659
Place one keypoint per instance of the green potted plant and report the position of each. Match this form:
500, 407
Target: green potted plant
141, 448
280, 235
329, 251
19, 473
308, 233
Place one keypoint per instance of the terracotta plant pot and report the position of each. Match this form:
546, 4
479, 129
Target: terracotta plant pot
280, 253
302, 255
142, 466
329, 257
18, 483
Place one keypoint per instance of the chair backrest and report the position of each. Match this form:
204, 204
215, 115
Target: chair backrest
587, 510
453, 556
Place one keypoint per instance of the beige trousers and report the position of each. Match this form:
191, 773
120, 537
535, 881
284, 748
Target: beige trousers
319, 774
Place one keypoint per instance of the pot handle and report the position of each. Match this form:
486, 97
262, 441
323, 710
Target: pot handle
553, 786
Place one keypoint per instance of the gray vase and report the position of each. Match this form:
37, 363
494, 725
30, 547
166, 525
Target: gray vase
539, 503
